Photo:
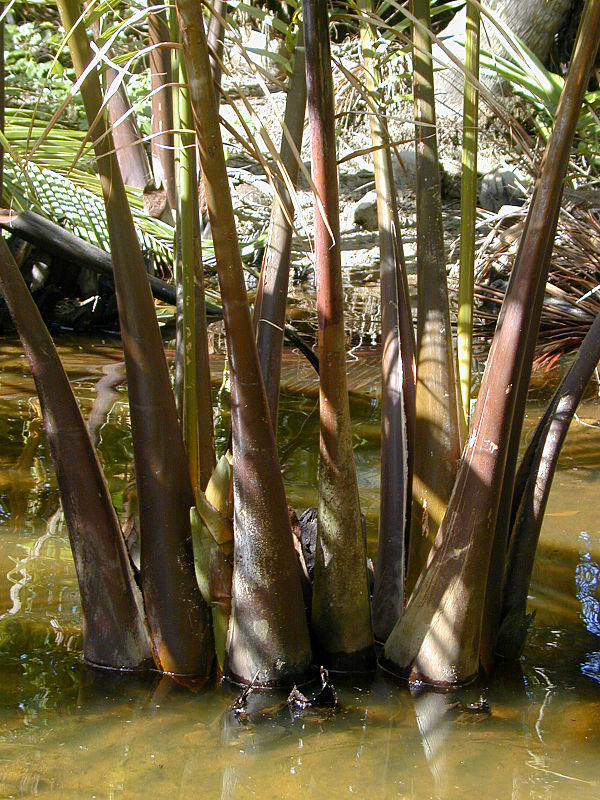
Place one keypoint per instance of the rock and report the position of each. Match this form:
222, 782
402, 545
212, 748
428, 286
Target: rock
240, 160
498, 188
356, 183
405, 170
450, 172
365, 211
257, 193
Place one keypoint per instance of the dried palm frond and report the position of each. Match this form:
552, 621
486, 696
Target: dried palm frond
572, 299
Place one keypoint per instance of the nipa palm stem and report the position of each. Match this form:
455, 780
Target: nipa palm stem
468, 208
341, 616
272, 290
178, 617
437, 640
268, 641
397, 365
437, 432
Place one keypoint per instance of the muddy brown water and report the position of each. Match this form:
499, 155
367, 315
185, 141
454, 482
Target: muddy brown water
67, 731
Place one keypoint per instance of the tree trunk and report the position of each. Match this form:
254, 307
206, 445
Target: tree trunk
535, 22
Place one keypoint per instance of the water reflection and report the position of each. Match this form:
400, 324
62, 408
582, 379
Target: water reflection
587, 581
68, 731
121, 737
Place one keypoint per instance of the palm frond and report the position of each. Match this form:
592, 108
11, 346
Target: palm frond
77, 205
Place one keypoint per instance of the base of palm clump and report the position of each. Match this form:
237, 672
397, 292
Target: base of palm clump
361, 661
436, 640
269, 681
416, 679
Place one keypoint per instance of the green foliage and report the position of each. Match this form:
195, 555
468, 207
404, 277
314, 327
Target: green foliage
38, 73
541, 88
74, 205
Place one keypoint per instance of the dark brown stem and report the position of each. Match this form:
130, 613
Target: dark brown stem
341, 616
271, 294
114, 632
397, 374
541, 460
129, 148
133, 161
268, 640
493, 594
437, 639
178, 617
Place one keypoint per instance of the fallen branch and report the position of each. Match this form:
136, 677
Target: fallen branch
56, 241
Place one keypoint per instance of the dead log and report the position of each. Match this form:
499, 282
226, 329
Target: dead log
60, 243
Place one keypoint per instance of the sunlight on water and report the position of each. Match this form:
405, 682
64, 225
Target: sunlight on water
70, 732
